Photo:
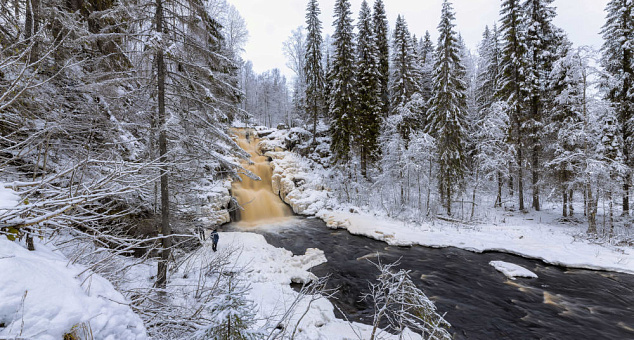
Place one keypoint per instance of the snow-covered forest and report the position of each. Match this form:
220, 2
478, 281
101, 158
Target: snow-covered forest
117, 148
419, 128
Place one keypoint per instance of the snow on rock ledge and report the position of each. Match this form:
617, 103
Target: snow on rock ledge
301, 190
216, 209
44, 297
512, 270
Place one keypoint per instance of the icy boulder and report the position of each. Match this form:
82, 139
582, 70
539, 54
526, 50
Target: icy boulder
512, 270
44, 297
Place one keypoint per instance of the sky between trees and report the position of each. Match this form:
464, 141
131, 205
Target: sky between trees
270, 22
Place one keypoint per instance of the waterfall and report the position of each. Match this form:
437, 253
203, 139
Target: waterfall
257, 199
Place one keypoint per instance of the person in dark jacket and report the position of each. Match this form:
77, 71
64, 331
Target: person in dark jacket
214, 239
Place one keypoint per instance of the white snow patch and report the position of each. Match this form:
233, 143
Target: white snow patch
512, 270
8, 198
43, 297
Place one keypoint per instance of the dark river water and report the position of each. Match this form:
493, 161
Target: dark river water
479, 301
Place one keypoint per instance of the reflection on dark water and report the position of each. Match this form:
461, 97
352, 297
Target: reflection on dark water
479, 302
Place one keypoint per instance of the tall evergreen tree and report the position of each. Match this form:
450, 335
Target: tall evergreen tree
488, 78
405, 80
618, 59
449, 108
565, 124
543, 40
491, 130
313, 71
381, 30
368, 87
513, 82
343, 91
426, 56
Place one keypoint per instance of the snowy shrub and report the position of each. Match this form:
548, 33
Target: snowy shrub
397, 300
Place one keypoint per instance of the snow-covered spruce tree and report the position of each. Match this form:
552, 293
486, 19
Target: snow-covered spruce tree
342, 94
565, 124
612, 157
543, 46
448, 109
493, 155
368, 91
488, 78
232, 315
513, 87
618, 83
381, 29
313, 70
426, 57
405, 79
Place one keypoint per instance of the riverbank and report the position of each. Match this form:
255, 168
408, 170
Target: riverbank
537, 235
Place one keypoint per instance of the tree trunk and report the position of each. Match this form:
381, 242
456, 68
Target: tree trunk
448, 199
498, 199
535, 174
571, 209
429, 186
315, 110
473, 196
364, 163
611, 214
520, 176
28, 20
626, 194
591, 210
565, 205
165, 229
35, 8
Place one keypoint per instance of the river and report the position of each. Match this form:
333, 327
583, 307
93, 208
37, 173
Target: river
479, 302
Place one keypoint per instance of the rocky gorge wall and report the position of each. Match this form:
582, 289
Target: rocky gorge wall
293, 180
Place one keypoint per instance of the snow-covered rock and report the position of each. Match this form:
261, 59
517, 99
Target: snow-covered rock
512, 270
216, 209
43, 296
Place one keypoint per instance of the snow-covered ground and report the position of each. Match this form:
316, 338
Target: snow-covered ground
43, 296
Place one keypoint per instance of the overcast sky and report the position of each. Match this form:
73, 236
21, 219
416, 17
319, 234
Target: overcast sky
270, 22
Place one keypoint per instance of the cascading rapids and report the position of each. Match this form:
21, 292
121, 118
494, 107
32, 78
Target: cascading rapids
257, 199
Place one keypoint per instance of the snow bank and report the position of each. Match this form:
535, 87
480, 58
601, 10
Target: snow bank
42, 296
270, 271
512, 270
554, 244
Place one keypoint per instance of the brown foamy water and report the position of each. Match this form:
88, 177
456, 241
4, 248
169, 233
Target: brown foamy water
260, 204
